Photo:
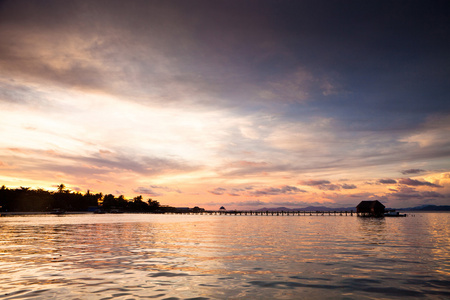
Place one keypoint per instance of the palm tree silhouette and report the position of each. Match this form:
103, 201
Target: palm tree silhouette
61, 187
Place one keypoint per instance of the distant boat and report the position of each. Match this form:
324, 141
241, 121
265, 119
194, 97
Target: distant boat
394, 214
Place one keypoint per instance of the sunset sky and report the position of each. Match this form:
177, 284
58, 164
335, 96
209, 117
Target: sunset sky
245, 104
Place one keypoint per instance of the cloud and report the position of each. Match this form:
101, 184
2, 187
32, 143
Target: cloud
414, 182
244, 163
251, 191
329, 187
255, 204
147, 191
314, 182
412, 171
326, 185
243, 189
166, 188
348, 186
432, 194
407, 189
407, 193
404, 196
4, 165
218, 191
251, 203
96, 162
284, 190
186, 93
294, 87
387, 181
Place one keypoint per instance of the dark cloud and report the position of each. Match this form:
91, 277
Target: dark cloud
414, 182
213, 45
348, 186
412, 171
387, 181
326, 185
314, 182
407, 189
285, 190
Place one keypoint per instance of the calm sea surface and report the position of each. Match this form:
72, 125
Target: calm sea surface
145, 256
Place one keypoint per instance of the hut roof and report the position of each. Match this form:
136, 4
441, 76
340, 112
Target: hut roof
369, 206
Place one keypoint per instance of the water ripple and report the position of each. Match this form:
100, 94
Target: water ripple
215, 257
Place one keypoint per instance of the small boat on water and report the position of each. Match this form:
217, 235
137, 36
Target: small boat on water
58, 211
394, 214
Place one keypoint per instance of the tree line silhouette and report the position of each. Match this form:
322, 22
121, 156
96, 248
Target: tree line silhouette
24, 199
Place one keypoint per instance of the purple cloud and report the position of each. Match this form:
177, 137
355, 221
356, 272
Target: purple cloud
404, 195
412, 171
235, 191
326, 185
348, 186
234, 194
329, 187
387, 181
314, 182
432, 194
218, 191
414, 182
285, 190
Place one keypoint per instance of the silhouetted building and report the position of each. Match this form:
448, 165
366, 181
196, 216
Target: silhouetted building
197, 209
222, 208
370, 209
182, 209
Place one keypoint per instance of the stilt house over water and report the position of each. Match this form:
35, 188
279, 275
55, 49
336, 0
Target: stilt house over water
370, 209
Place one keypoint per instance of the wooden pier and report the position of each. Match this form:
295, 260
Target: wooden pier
268, 213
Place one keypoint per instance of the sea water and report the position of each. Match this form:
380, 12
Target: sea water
148, 256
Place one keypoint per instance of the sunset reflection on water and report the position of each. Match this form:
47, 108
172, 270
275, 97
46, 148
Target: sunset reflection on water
218, 257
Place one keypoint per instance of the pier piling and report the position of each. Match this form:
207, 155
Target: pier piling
268, 213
